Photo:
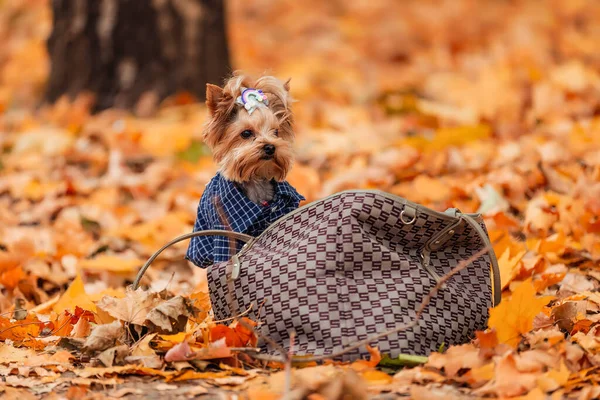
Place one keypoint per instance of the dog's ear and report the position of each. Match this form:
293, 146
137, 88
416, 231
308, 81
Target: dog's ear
213, 96
286, 85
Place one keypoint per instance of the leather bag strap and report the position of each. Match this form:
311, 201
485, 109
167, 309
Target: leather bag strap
213, 232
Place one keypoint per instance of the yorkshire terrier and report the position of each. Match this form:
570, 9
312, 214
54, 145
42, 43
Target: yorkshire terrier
250, 133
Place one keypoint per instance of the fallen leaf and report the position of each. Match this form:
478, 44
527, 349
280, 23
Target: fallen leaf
568, 313
122, 370
10, 354
193, 375
373, 377
82, 328
114, 355
509, 380
133, 308
509, 266
360, 365
232, 339
170, 316
73, 297
142, 347
477, 376
76, 392
554, 379
125, 392
456, 358
514, 317
19, 331
179, 352
103, 337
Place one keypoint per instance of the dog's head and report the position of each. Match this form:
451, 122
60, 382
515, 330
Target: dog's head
249, 128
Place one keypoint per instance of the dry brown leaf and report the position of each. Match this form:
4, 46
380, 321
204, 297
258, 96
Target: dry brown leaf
104, 336
142, 347
113, 356
568, 313
133, 308
170, 316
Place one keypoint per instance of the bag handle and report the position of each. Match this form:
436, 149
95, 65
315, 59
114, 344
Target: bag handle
213, 232
497, 287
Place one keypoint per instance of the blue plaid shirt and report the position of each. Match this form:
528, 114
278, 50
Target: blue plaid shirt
241, 213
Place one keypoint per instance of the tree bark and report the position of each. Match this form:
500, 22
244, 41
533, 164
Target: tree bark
123, 50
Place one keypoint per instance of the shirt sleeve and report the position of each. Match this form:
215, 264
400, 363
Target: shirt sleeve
200, 248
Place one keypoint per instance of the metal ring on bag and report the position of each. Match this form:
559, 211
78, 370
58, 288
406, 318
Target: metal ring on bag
412, 221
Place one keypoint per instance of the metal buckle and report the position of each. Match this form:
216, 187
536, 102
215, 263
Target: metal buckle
235, 273
412, 221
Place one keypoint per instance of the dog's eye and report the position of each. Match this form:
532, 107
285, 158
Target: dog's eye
246, 134
276, 132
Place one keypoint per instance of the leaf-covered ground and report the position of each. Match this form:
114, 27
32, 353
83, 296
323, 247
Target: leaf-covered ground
485, 106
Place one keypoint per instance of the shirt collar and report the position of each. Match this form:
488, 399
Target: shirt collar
284, 189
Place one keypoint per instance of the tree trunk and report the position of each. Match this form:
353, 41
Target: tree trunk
125, 50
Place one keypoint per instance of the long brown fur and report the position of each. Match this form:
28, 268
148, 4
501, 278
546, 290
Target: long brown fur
241, 160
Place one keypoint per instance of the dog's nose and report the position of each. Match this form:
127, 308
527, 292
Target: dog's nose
269, 149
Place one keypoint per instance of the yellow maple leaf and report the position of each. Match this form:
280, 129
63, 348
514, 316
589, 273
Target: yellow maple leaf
509, 266
74, 296
514, 317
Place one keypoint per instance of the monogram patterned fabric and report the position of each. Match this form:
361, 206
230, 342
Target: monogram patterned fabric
344, 268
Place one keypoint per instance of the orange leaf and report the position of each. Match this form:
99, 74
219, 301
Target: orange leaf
231, 337
202, 302
583, 325
360, 365
509, 266
374, 377
480, 374
11, 277
21, 331
73, 297
189, 375
514, 317
63, 325
548, 279
487, 339
245, 333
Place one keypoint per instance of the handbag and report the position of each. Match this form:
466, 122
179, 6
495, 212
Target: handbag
354, 264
